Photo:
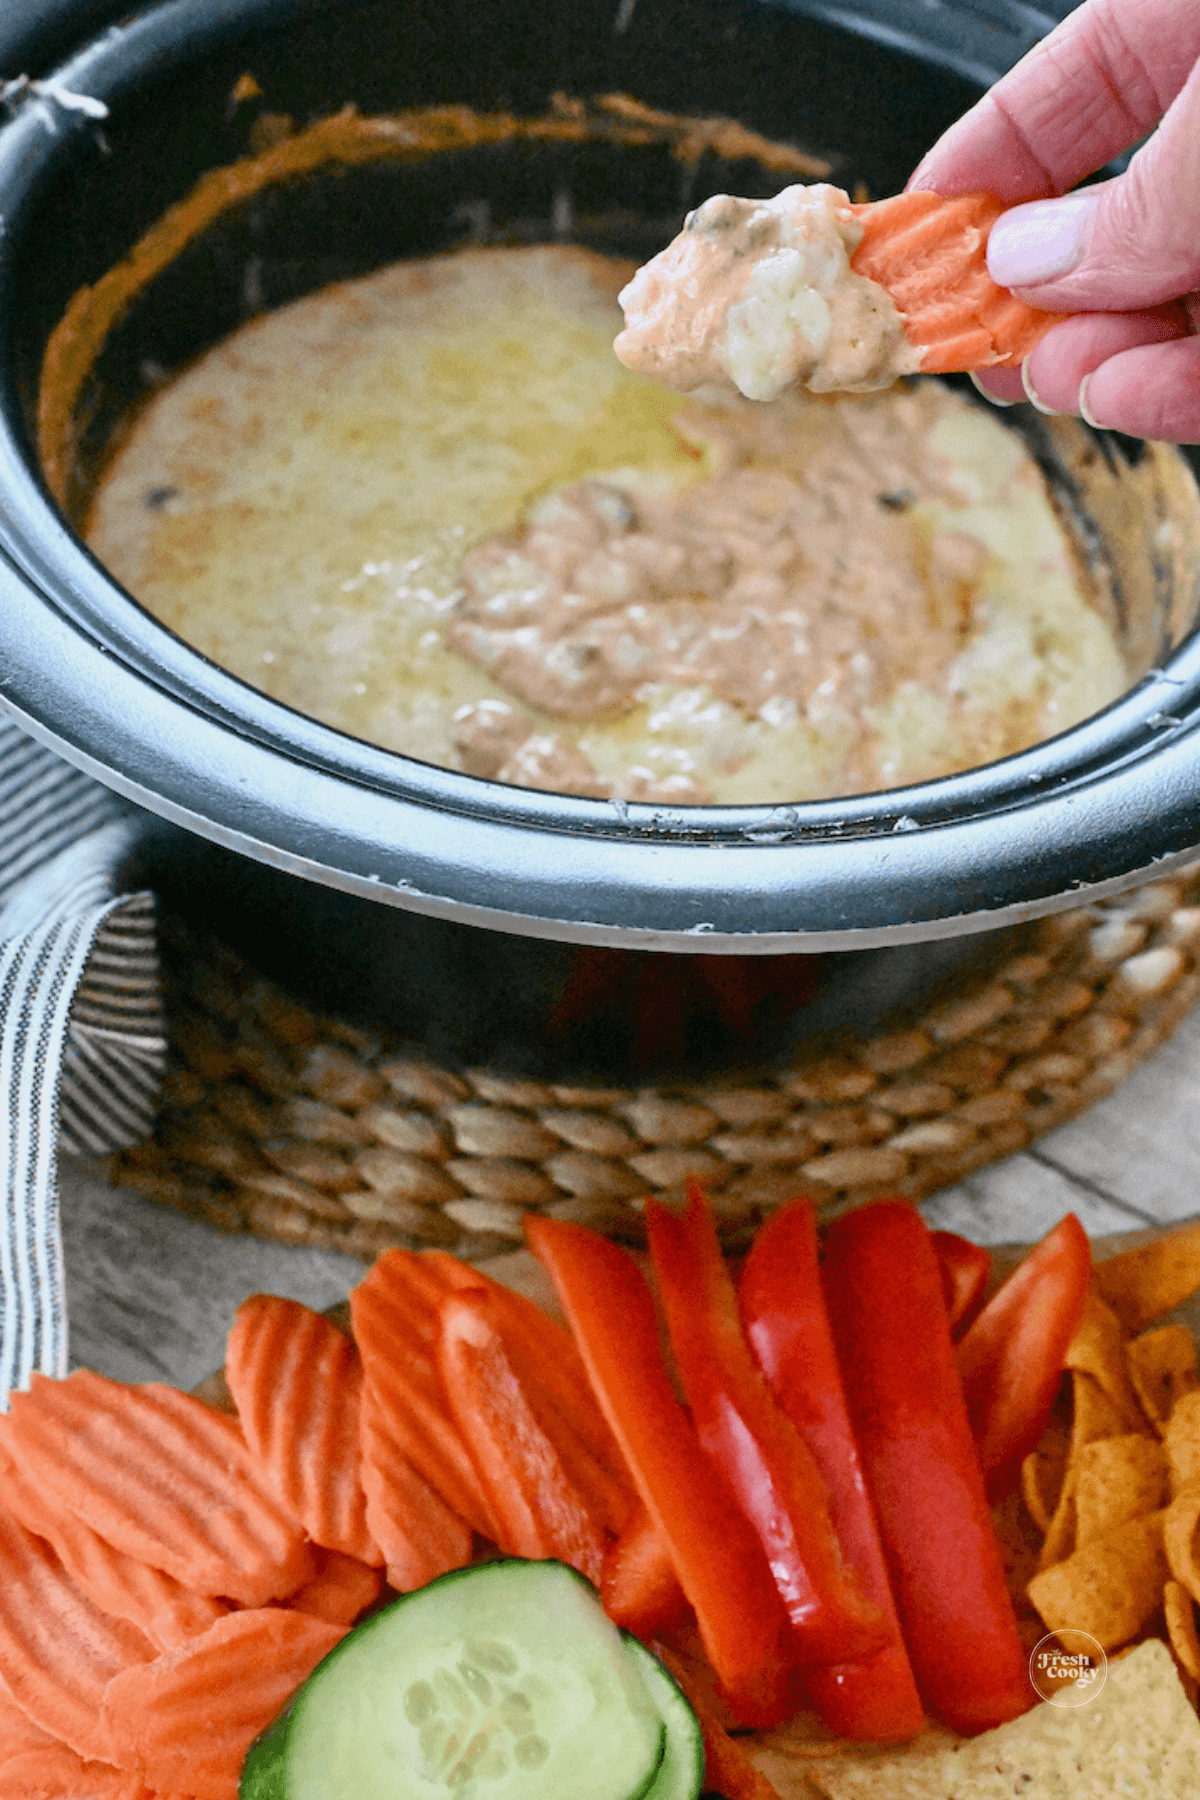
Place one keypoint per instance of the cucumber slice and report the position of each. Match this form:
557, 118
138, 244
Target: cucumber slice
681, 1772
501, 1682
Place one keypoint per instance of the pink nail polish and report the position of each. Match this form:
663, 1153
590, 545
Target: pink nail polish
1039, 241
992, 399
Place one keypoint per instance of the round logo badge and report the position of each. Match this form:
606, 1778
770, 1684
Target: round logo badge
1068, 1668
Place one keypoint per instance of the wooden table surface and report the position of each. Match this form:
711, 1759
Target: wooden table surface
151, 1294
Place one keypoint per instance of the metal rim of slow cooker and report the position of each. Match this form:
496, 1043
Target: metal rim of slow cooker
91, 674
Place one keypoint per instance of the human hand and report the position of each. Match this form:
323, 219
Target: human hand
1123, 257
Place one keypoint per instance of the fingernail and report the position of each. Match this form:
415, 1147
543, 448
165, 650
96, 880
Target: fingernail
1039, 241
1084, 412
992, 399
1052, 412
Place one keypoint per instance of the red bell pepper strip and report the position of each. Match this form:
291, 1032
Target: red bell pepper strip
883, 1289
966, 1270
717, 1557
1011, 1360
541, 1351
639, 1588
539, 1510
762, 1455
783, 1311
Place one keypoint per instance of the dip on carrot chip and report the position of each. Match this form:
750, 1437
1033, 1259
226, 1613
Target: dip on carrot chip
809, 290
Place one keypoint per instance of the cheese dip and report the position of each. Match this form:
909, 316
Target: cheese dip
430, 508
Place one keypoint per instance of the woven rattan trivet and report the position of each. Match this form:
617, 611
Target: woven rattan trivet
292, 1126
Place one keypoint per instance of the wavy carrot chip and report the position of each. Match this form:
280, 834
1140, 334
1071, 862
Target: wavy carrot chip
185, 1721
1117, 1479
1110, 1587
1162, 1368
297, 1383
17, 1730
118, 1584
53, 1772
395, 1329
1179, 1610
340, 1590
1140, 1285
164, 1478
1182, 1441
420, 1536
58, 1651
930, 253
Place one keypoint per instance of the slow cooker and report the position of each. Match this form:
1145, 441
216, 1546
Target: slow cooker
304, 838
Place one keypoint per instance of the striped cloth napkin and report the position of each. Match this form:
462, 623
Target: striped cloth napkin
82, 1036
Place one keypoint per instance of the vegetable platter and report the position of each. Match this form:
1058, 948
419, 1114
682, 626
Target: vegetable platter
798, 1527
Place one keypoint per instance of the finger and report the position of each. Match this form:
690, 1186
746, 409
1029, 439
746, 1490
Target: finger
1123, 245
1003, 387
1055, 370
1091, 89
1151, 392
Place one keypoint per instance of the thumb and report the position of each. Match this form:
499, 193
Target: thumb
1123, 245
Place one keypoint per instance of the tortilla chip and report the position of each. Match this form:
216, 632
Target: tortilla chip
1182, 1442
1044, 1471
1180, 1540
1111, 1587
1098, 1350
1142, 1284
1162, 1368
1180, 1611
1095, 1416
1139, 1732
1060, 1539
1117, 1479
